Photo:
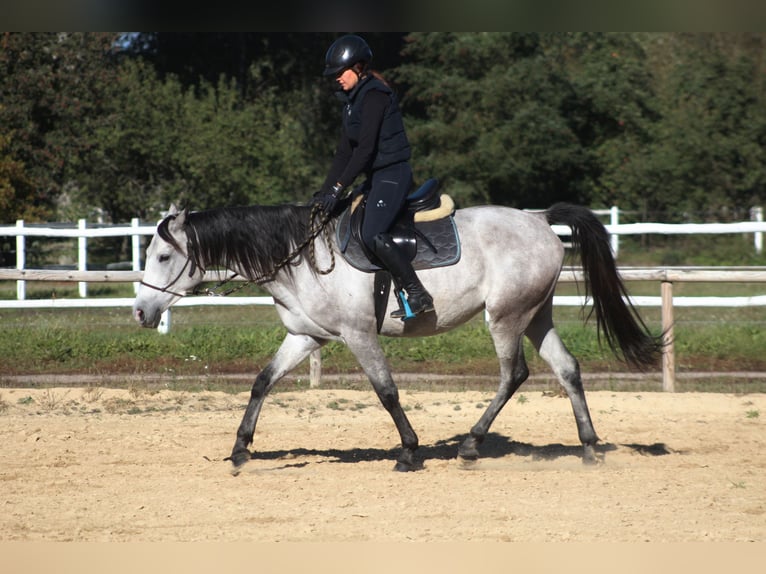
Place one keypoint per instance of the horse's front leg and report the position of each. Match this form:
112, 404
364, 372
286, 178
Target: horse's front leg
372, 360
293, 350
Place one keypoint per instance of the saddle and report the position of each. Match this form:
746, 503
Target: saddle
425, 230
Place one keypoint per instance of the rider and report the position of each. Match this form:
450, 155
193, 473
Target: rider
373, 142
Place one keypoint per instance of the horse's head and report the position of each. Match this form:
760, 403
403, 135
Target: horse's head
169, 272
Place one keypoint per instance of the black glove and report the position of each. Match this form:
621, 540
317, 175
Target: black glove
329, 200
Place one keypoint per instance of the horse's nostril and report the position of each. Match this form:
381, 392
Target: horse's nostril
140, 315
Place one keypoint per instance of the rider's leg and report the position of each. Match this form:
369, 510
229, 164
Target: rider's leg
419, 300
385, 200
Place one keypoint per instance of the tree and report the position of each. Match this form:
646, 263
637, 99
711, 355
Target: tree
53, 87
487, 114
613, 112
200, 146
16, 190
708, 157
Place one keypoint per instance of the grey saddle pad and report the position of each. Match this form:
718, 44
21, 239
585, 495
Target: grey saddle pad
430, 244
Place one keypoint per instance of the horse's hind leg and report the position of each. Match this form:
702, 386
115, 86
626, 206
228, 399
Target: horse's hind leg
294, 349
513, 372
566, 368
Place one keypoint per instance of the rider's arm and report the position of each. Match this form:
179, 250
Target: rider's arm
339, 162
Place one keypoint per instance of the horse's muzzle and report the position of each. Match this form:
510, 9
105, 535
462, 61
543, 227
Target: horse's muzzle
144, 319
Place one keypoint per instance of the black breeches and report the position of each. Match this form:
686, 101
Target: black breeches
385, 199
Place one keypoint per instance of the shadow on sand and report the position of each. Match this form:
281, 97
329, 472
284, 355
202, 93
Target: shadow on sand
495, 446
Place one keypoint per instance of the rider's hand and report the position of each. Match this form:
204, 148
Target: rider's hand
329, 200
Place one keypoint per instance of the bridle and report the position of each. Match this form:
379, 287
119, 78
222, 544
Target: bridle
316, 229
167, 289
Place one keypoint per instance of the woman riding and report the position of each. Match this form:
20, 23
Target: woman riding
373, 142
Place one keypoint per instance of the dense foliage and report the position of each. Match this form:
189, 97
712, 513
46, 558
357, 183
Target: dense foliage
668, 125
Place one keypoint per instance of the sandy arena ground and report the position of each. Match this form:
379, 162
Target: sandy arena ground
93, 464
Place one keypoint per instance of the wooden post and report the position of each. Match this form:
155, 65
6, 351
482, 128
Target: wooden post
668, 355
315, 368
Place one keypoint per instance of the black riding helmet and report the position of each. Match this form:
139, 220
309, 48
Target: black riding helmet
344, 53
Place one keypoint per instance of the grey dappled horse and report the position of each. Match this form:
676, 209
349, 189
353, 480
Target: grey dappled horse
509, 266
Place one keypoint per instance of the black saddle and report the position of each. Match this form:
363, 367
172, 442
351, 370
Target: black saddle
426, 230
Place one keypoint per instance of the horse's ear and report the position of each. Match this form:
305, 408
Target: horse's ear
177, 219
172, 210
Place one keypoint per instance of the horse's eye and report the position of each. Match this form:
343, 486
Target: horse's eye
164, 257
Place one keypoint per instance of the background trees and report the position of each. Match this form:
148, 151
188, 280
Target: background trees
120, 125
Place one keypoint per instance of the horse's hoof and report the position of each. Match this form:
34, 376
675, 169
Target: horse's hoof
238, 460
406, 461
468, 462
469, 448
468, 453
589, 455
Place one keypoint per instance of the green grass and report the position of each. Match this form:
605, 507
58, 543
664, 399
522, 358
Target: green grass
242, 340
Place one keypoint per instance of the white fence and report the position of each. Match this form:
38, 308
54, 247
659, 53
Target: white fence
135, 230
21, 230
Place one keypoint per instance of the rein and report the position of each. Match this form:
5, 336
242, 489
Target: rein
315, 229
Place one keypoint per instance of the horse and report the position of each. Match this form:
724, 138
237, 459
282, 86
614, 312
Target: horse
509, 266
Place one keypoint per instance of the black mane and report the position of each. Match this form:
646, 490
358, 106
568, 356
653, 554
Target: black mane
252, 239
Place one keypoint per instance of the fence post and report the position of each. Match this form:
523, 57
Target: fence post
136, 245
21, 252
164, 326
82, 256
756, 214
668, 352
614, 238
315, 368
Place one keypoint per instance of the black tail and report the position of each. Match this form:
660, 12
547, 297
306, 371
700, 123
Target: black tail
617, 319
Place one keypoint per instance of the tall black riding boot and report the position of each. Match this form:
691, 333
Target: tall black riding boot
391, 256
